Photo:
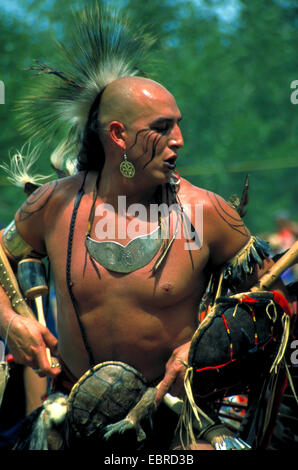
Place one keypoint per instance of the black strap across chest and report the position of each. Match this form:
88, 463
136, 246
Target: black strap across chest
68, 271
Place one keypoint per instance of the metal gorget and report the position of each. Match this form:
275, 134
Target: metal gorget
126, 259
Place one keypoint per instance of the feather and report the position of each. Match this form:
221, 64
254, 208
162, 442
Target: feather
63, 160
104, 47
243, 263
240, 203
244, 199
20, 167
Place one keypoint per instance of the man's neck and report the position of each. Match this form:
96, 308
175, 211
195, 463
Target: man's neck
113, 186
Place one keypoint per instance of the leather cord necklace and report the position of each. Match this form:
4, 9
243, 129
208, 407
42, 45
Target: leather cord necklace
69, 282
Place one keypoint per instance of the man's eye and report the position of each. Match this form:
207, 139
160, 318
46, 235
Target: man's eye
162, 128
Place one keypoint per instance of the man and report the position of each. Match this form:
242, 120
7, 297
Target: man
143, 317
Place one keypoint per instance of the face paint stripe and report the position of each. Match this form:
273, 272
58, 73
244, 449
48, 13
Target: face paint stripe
136, 138
146, 143
154, 146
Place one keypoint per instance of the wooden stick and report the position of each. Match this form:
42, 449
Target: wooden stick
41, 319
286, 261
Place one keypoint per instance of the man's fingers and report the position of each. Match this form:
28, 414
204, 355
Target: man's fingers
32, 344
46, 365
173, 380
163, 387
50, 340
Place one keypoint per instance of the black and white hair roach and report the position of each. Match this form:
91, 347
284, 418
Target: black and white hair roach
63, 105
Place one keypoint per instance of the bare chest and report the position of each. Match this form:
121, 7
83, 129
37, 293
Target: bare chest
180, 276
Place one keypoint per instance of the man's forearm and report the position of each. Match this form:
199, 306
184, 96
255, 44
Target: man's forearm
6, 312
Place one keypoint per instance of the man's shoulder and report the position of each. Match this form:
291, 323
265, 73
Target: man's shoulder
66, 184
212, 201
38, 213
189, 192
49, 197
62, 189
224, 230
192, 194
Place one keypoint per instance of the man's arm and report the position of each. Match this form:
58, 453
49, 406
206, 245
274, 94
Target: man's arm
34, 216
27, 338
230, 237
225, 234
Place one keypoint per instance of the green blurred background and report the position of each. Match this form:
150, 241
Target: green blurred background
230, 65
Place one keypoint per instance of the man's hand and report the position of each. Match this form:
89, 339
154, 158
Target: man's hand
27, 342
173, 380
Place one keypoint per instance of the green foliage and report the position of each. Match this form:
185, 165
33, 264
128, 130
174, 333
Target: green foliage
231, 79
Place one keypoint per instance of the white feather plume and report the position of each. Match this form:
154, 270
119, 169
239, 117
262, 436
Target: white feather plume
19, 169
105, 46
62, 158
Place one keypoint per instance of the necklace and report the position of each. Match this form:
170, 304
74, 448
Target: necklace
125, 259
136, 254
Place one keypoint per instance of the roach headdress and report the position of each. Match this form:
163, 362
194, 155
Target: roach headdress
104, 46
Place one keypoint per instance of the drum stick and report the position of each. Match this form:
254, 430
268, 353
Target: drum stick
41, 319
32, 279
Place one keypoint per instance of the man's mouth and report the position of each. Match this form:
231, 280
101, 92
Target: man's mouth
170, 163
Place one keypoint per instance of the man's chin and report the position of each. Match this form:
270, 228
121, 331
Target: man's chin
157, 178
164, 177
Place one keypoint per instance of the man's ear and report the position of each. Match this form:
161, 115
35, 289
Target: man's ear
117, 133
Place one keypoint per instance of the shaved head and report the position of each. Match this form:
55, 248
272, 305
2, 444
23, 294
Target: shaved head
136, 106
128, 98
136, 117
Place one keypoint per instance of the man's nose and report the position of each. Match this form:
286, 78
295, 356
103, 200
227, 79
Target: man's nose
176, 139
